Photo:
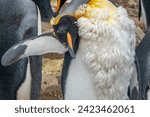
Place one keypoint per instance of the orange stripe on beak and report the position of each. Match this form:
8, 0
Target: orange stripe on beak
58, 5
69, 39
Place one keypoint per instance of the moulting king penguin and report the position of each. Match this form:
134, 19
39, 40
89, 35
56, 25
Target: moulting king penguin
46, 10
104, 60
143, 53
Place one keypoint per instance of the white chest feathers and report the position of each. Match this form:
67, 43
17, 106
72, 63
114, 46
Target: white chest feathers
107, 50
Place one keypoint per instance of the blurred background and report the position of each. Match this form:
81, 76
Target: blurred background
52, 63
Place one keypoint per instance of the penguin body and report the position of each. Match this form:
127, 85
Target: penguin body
143, 54
18, 21
104, 61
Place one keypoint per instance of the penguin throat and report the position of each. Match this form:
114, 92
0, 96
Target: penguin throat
90, 9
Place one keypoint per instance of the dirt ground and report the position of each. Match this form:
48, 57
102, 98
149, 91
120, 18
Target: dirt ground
52, 63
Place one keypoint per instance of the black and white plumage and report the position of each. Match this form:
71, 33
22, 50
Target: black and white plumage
22, 80
18, 21
143, 53
45, 43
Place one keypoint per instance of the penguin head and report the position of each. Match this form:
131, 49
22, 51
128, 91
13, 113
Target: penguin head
65, 26
67, 32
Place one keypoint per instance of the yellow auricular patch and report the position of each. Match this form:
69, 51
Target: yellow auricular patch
54, 21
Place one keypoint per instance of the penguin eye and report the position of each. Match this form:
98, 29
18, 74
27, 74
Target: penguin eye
61, 29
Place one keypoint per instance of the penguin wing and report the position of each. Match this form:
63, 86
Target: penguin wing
42, 44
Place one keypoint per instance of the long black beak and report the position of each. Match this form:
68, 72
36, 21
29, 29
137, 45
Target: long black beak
59, 5
71, 52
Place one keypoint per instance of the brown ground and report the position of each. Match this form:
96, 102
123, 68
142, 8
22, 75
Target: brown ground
52, 63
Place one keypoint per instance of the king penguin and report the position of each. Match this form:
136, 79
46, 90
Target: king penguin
143, 53
19, 20
104, 55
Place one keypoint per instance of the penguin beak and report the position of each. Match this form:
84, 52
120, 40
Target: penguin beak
67, 9
70, 45
59, 5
